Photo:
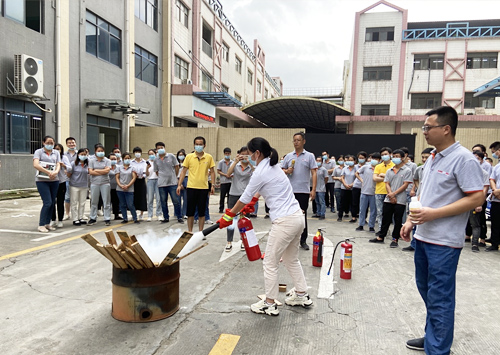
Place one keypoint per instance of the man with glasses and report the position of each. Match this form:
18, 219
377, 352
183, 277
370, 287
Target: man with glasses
452, 185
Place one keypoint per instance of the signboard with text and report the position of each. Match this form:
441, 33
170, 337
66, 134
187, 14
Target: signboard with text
203, 116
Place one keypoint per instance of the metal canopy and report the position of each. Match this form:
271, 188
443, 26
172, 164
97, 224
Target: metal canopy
490, 89
291, 112
218, 98
118, 106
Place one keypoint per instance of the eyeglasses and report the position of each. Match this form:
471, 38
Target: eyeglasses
427, 128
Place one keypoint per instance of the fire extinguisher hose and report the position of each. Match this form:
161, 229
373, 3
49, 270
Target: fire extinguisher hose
333, 257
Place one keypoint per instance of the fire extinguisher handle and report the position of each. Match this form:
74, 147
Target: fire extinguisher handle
210, 229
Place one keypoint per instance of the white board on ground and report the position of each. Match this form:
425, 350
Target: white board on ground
326, 283
237, 246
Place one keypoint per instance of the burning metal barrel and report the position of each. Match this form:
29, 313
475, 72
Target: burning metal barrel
145, 295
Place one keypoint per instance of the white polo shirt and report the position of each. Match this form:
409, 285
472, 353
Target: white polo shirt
274, 186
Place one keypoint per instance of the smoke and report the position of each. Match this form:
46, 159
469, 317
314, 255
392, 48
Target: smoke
193, 243
157, 247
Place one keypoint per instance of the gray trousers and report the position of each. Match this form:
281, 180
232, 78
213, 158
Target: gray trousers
105, 192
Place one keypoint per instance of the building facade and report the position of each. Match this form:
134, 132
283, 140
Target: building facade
214, 71
398, 70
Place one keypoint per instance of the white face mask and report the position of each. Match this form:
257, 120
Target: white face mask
138, 155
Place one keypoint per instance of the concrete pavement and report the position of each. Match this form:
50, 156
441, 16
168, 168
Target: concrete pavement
56, 297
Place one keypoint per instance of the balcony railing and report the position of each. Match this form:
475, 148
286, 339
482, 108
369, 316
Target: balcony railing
451, 32
206, 48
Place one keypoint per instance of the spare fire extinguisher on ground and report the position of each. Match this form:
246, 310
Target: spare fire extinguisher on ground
249, 239
345, 259
318, 249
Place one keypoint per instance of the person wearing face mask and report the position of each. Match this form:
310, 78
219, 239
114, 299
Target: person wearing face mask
495, 200
115, 202
181, 155
396, 181
241, 170
167, 168
78, 174
71, 156
125, 179
378, 177
347, 180
288, 224
367, 199
152, 187
225, 178
140, 190
413, 167
356, 188
322, 178
118, 154
99, 186
336, 174
198, 164
47, 161
61, 192
329, 164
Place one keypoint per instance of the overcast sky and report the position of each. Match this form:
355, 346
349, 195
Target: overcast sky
307, 41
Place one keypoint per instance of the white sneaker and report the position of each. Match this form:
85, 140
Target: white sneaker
262, 307
209, 222
295, 300
160, 218
50, 228
149, 219
100, 213
59, 224
66, 217
42, 229
53, 223
85, 218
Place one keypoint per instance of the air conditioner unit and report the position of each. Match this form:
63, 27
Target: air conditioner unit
28, 75
187, 81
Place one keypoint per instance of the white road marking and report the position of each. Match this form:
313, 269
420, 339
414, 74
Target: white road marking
22, 215
18, 231
326, 283
55, 235
237, 247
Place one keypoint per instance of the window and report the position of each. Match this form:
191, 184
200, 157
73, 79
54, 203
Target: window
473, 102
482, 60
238, 64
378, 34
237, 97
237, 125
103, 40
222, 121
377, 73
225, 52
375, 110
250, 77
27, 12
224, 88
425, 101
182, 13
206, 81
181, 69
266, 93
21, 126
206, 42
259, 86
146, 66
147, 11
428, 61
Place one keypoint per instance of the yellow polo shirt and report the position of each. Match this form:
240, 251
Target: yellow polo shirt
198, 170
381, 169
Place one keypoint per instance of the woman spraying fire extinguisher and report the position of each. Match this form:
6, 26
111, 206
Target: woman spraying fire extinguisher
287, 220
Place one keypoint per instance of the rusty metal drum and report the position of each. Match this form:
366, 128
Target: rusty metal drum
145, 295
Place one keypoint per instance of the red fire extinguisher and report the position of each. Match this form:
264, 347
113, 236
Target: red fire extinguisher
346, 260
249, 239
318, 249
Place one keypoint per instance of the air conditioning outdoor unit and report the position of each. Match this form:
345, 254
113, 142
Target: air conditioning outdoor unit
187, 81
28, 75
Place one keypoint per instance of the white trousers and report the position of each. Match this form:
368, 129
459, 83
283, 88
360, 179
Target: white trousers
78, 197
283, 242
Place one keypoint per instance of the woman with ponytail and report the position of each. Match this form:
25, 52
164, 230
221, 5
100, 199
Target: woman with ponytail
287, 219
